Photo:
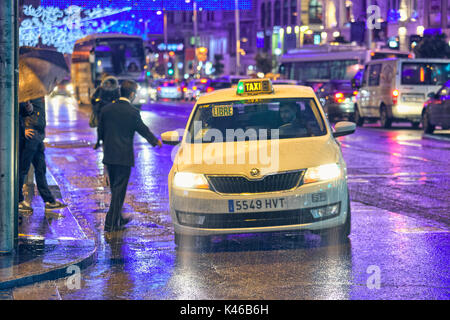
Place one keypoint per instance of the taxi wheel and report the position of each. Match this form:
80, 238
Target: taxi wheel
192, 242
339, 234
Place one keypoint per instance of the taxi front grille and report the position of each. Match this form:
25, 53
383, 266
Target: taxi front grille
270, 183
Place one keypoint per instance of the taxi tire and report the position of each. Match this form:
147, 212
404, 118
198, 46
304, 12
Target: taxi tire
339, 234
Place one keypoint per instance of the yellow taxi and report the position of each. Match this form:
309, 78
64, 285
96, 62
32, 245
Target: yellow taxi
258, 158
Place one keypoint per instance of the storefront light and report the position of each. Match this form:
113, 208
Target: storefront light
402, 31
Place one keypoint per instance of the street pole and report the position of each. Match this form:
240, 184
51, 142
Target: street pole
369, 30
238, 36
165, 54
8, 128
194, 18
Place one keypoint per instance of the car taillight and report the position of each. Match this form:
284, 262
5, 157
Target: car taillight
339, 97
209, 89
159, 89
355, 93
178, 89
184, 89
395, 94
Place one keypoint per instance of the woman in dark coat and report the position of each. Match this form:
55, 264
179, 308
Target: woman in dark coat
107, 92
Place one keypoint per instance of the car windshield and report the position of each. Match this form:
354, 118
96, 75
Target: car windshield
255, 119
118, 57
425, 73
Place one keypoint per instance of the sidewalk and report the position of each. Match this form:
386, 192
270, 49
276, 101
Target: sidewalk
49, 243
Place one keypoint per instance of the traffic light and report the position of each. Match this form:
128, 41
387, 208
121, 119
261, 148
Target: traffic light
170, 71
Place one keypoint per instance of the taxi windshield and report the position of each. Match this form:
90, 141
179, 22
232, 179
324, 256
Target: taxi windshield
256, 119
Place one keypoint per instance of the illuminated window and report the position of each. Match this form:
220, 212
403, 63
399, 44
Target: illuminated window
315, 11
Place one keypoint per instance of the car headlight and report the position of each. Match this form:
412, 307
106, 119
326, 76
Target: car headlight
190, 180
322, 173
143, 91
69, 88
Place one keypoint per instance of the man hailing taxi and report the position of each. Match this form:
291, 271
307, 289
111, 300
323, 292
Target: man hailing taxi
117, 124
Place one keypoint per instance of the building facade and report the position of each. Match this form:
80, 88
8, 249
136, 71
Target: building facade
287, 24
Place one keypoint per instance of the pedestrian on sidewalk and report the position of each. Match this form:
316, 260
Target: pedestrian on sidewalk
33, 152
107, 92
118, 123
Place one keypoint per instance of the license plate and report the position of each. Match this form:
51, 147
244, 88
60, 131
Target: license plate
413, 98
255, 205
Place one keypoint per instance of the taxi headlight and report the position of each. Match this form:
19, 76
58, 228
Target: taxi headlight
190, 180
322, 173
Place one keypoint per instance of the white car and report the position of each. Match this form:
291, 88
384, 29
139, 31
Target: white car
394, 90
258, 158
169, 90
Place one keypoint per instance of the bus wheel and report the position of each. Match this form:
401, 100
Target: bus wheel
386, 122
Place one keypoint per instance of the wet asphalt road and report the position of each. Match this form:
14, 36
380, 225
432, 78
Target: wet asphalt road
399, 247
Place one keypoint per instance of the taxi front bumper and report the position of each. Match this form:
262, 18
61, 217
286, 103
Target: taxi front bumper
312, 207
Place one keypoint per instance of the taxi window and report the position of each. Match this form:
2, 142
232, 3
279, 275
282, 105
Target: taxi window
256, 119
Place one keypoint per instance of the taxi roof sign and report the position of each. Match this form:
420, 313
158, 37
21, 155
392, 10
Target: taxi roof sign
254, 86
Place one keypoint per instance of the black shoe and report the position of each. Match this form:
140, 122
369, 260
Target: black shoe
124, 221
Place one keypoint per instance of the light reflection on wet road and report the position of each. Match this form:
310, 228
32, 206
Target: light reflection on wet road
399, 185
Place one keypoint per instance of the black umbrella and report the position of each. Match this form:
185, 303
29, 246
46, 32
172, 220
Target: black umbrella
39, 71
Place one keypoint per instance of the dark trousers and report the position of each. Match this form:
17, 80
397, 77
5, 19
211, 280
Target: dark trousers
32, 152
118, 182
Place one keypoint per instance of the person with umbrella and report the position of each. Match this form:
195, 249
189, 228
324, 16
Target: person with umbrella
39, 71
33, 153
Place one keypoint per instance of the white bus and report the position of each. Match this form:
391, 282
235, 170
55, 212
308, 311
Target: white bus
331, 62
118, 55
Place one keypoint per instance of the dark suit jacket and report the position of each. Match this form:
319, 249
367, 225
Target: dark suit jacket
117, 124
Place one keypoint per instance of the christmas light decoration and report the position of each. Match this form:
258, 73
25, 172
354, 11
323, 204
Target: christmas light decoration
60, 28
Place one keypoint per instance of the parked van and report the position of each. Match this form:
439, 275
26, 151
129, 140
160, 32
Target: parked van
395, 89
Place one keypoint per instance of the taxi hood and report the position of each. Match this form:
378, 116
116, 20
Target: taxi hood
269, 156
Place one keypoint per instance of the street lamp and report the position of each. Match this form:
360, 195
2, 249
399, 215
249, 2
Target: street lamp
238, 40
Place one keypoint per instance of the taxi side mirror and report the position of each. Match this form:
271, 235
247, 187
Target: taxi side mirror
344, 128
170, 137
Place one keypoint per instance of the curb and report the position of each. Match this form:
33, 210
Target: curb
61, 254
438, 137
54, 272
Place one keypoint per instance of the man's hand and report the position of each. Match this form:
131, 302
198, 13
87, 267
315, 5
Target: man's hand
159, 143
29, 133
